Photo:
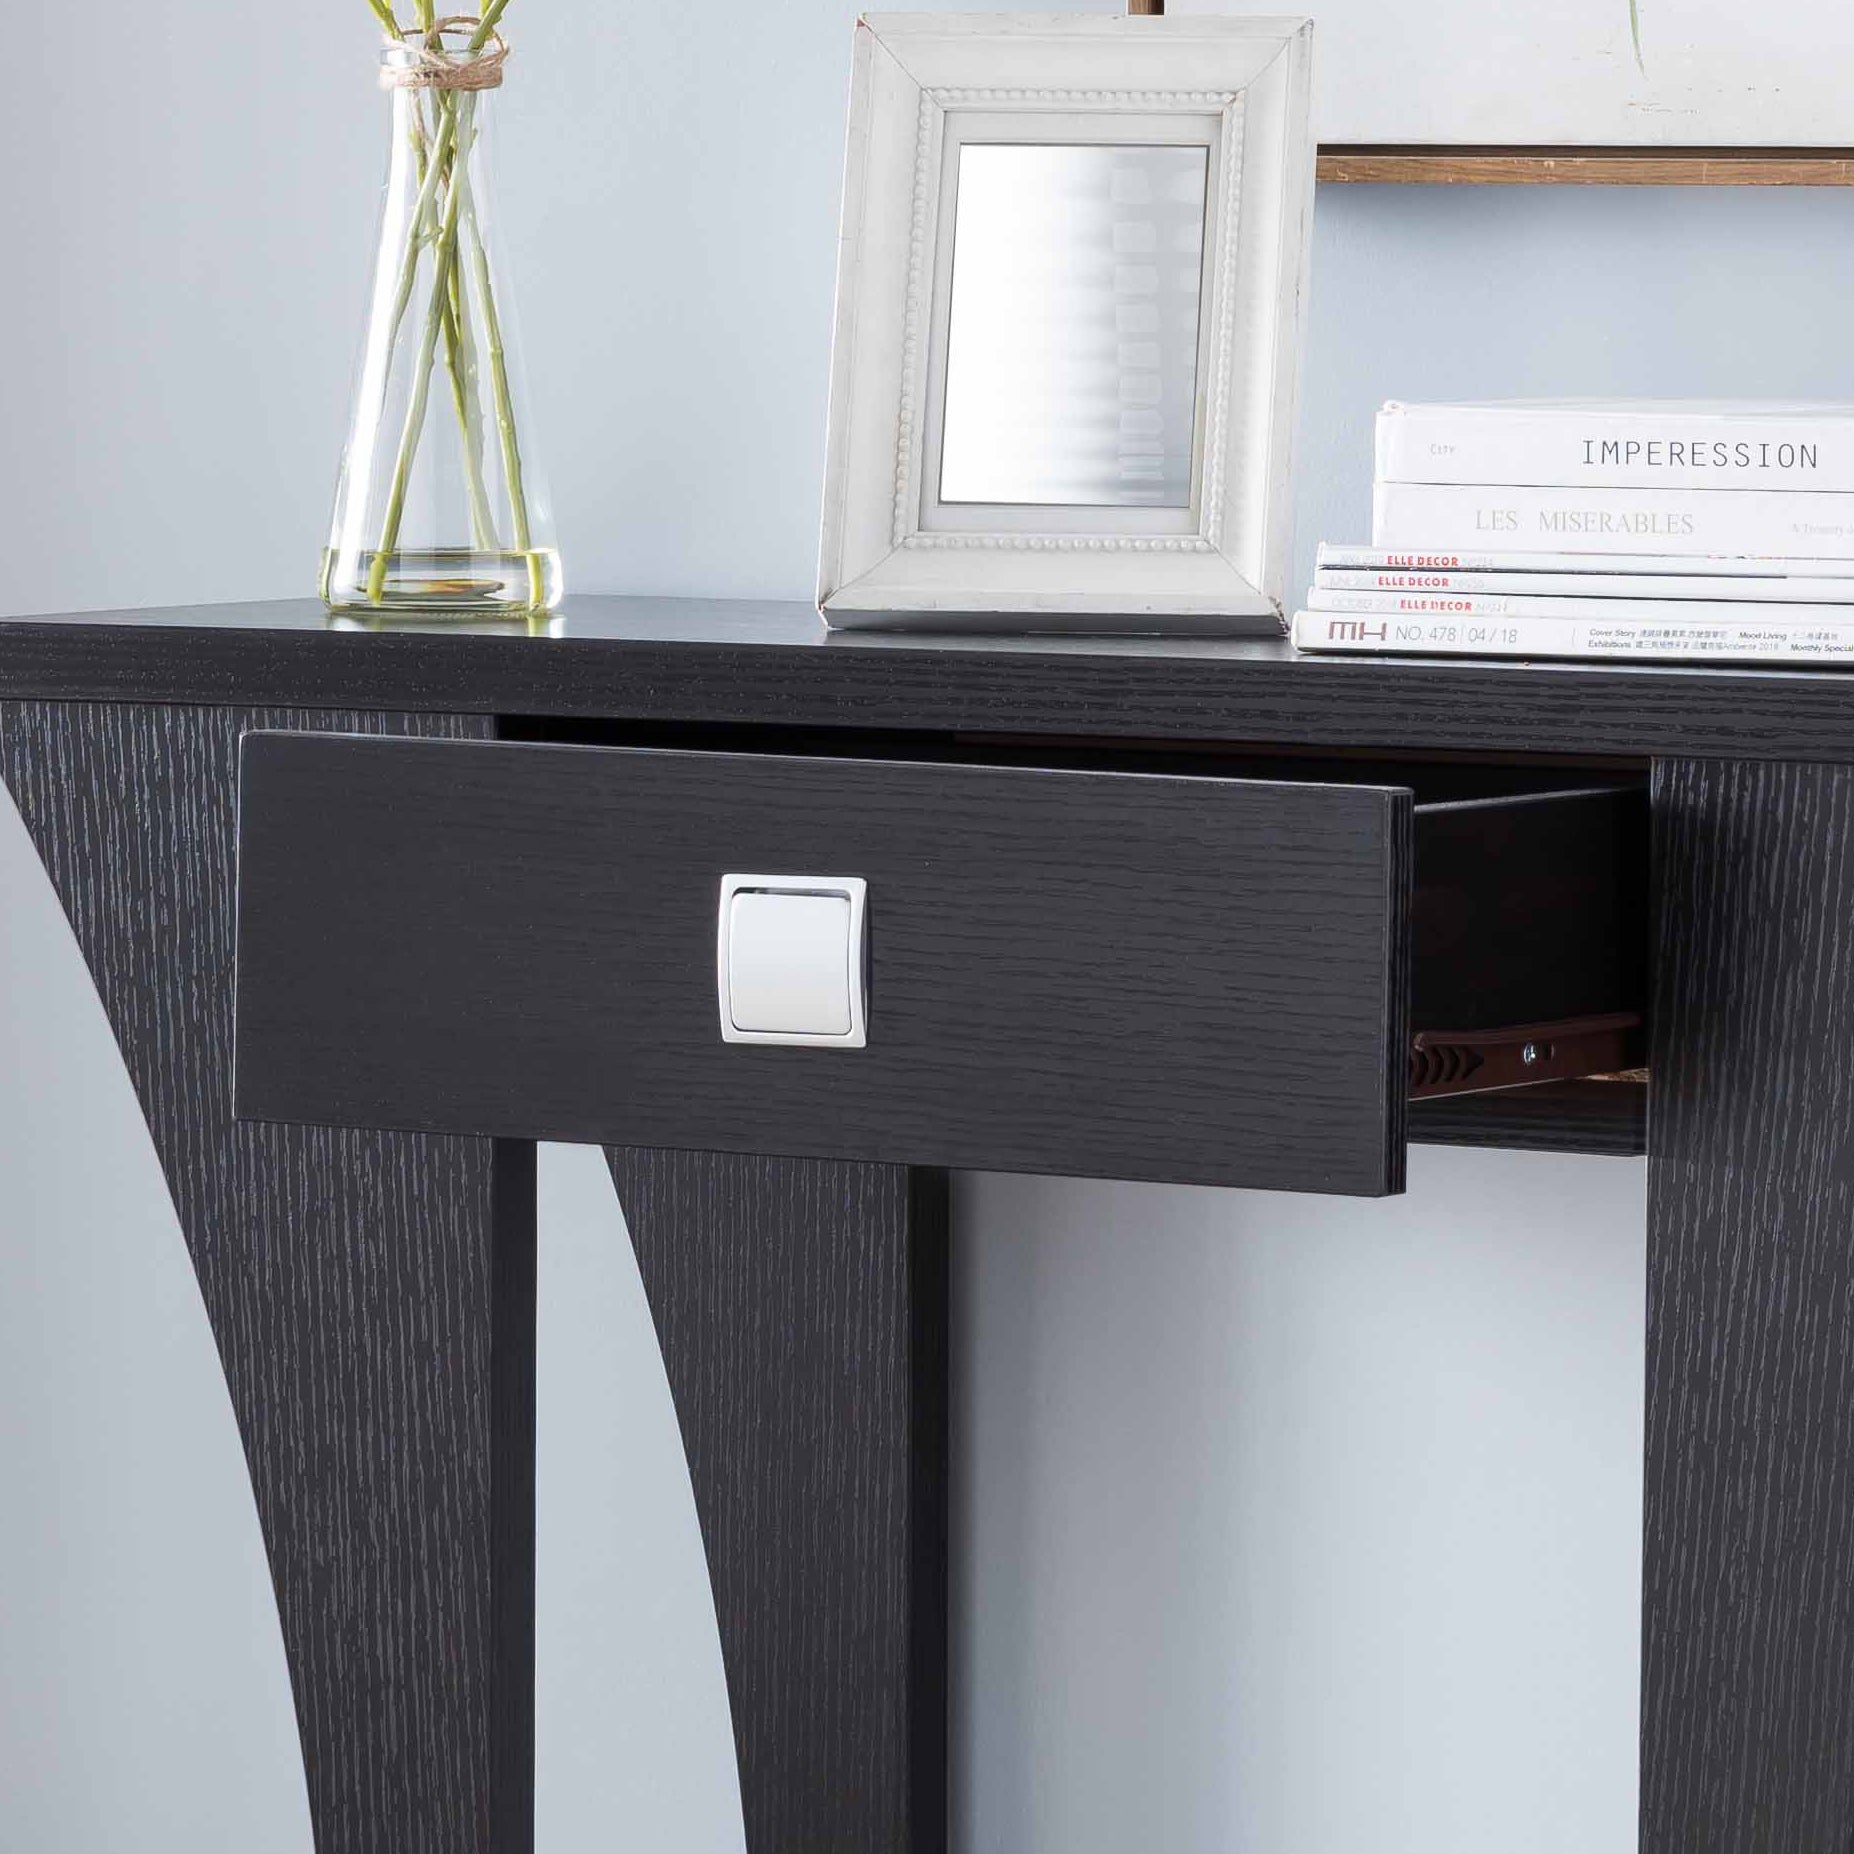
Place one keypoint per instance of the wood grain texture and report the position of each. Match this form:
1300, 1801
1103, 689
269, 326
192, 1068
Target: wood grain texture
1748, 1643
513, 1315
1588, 167
351, 1282
1086, 973
734, 663
1605, 1118
802, 1311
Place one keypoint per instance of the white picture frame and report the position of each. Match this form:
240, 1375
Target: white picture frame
893, 553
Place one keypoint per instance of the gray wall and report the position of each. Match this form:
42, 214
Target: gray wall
185, 252
1291, 1526
1285, 1526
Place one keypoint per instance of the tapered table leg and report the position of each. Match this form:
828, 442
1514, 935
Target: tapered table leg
371, 1295
801, 1308
1748, 1643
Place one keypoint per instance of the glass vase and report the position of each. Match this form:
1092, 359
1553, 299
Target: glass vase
440, 506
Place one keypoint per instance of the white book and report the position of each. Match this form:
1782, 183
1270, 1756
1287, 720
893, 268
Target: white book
1507, 605
1587, 585
1480, 560
1621, 443
1437, 516
1747, 640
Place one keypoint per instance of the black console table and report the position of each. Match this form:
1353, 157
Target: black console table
372, 913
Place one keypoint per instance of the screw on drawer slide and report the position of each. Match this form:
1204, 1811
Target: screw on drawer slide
1471, 1061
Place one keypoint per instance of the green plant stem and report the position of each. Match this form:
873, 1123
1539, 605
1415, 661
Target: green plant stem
443, 256
460, 364
502, 398
384, 14
460, 355
423, 208
437, 158
420, 139
487, 24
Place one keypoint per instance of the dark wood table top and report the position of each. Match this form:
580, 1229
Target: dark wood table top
743, 662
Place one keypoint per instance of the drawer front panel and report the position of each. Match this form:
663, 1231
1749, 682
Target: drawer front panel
1097, 974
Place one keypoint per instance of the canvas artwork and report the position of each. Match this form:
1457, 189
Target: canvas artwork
1594, 73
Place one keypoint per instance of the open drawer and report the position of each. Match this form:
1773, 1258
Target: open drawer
1166, 975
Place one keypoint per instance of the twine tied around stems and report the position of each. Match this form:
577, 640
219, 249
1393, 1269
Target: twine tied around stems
428, 66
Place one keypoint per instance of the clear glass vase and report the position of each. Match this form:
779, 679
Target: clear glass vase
441, 507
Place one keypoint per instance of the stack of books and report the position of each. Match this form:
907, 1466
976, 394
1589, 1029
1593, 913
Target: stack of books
1671, 529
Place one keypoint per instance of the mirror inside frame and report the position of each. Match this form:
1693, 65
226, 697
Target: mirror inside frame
1075, 316
1068, 347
